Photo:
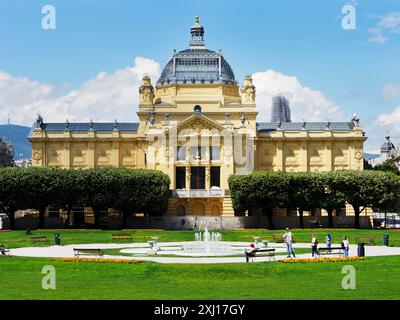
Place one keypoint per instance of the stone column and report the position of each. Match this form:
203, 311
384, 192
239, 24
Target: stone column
208, 178
279, 155
91, 154
328, 165
67, 155
187, 186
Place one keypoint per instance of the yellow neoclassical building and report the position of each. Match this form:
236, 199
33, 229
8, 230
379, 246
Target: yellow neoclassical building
199, 126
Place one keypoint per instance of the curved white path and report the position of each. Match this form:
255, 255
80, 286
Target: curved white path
67, 252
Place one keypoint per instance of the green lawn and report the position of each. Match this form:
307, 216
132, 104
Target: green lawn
15, 239
377, 278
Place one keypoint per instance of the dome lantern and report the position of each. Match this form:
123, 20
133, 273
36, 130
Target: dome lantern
197, 35
197, 64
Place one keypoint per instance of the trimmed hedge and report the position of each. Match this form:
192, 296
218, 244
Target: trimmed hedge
302, 191
127, 190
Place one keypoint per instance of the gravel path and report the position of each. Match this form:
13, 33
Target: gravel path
67, 251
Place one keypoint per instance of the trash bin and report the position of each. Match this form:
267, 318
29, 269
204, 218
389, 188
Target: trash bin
386, 239
57, 239
361, 250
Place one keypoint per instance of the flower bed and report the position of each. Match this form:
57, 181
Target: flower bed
97, 260
322, 259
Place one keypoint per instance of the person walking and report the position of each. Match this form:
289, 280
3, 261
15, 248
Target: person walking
314, 245
288, 236
345, 246
328, 240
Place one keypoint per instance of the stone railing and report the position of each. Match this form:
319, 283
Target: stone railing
198, 193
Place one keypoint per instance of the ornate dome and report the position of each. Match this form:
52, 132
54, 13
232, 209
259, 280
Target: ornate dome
197, 64
388, 146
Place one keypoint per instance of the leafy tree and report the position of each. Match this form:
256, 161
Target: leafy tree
367, 166
265, 190
11, 196
328, 195
101, 188
387, 166
304, 189
363, 189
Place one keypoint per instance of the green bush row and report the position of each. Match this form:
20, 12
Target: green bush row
306, 191
127, 190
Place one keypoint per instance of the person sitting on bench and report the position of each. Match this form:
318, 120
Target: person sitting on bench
250, 253
3, 250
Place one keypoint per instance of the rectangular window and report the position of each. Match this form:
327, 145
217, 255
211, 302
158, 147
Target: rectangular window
215, 173
214, 153
180, 177
197, 178
197, 153
181, 154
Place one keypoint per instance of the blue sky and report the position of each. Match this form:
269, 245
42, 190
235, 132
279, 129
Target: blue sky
303, 39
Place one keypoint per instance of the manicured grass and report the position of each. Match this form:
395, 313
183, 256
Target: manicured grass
376, 278
15, 239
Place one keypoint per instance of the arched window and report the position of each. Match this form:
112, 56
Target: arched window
197, 109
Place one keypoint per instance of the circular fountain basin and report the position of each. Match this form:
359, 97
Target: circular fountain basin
192, 249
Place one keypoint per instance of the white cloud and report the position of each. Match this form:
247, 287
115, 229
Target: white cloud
390, 119
389, 22
384, 124
376, 35
390, 91
106, 97
312, 105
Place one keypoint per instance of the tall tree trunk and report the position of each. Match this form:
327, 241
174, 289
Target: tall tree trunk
330, 217
268, 212
301, 218
125, 215
42, 212
96, 213
11, 216
356, 217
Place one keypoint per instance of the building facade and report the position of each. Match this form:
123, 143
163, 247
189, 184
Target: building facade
6, 154
199, 126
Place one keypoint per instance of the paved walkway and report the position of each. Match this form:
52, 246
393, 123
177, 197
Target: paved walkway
67, 251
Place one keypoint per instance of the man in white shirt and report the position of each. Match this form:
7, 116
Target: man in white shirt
345, 246
289, 243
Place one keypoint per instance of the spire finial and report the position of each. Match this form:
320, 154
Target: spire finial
197, 35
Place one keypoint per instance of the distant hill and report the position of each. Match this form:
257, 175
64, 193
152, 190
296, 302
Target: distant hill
17, 136
370, 155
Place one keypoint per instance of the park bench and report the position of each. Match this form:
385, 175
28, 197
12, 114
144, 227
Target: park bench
40, 239
269, 253
87, 252
330, 251
367, 239
4, 251
121, 236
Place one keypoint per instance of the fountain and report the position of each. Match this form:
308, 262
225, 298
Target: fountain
205, 244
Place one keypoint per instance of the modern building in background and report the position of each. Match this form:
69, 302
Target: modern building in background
6, 154
198, 98
280, 109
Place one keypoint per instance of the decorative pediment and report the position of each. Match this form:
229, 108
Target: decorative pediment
198, 123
